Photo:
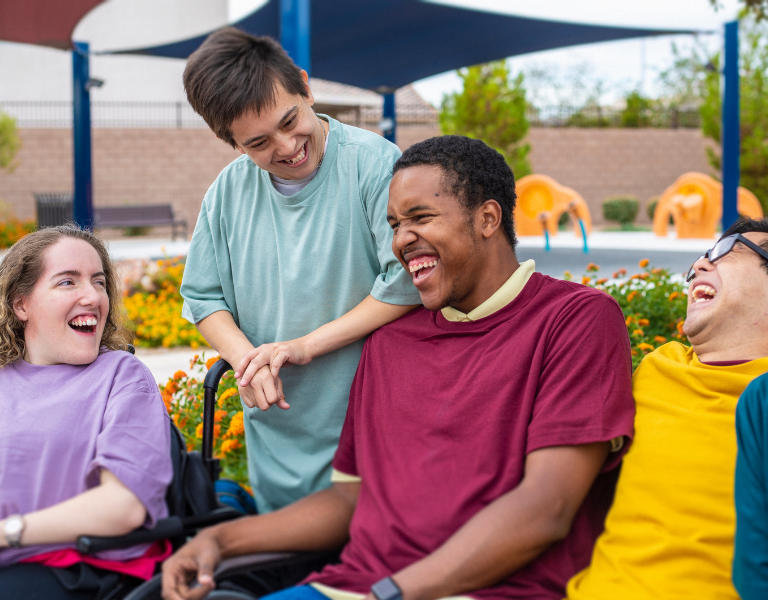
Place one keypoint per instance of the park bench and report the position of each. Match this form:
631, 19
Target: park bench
56, 209
149, 215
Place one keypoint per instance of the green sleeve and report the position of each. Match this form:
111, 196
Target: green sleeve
750, 560
393, 285
201, 286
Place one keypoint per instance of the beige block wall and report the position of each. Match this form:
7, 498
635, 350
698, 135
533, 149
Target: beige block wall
148, 166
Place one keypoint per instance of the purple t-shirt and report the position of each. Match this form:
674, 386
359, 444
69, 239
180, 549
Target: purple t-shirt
442, 416
61, 424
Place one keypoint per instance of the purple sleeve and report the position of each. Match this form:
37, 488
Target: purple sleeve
585, 387
134, 441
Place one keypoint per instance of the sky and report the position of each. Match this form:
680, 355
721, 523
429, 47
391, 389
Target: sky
620, 66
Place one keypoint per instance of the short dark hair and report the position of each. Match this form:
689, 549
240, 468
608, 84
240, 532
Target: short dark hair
232, 73
747, 225
473, 172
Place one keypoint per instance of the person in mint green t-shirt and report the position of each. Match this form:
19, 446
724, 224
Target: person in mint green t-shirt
291, 260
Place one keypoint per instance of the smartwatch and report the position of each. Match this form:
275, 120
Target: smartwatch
386, 589
13, 528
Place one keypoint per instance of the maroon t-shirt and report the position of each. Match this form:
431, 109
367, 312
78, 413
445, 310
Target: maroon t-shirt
442, 415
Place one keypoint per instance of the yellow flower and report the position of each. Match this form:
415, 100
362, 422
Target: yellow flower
199, 431
229, 445
236, 427
226, 394
644, 263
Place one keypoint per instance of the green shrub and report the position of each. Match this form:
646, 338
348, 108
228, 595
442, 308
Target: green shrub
650, 206
622, 209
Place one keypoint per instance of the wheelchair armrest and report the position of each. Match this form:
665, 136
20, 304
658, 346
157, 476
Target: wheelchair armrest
168, 528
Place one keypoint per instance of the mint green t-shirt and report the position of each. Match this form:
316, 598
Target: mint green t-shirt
284, 266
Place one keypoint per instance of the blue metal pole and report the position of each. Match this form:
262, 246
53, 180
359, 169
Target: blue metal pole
584, 236
731, 148
389, 120
82, 210
295, 31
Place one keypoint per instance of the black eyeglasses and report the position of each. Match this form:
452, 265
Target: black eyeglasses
723, 247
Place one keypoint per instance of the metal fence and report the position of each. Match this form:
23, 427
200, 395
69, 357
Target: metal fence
166, 115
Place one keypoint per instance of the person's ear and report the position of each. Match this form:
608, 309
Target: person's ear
20, 309
310, 98
490, 218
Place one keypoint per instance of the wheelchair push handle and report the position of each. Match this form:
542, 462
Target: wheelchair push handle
210, 387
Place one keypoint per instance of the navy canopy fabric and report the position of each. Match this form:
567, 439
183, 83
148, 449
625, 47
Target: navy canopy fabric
379, 44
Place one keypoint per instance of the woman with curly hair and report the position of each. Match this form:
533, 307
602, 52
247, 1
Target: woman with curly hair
84, 435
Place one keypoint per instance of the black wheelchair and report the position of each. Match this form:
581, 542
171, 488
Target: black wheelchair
192, 506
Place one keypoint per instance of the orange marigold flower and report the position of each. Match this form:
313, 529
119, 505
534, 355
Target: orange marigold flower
680, 327
645, 347
190, 447
643, 322
193, 361
673, 296
643, 276
211, 361
643, 263
601, 281
567, 274
585, 280
632, 295
172, 386
637, 332
634, 352
229, 445
179, 375
226, 394
199, 431
236, 427
660, 339
167, 401
592, 267
657, 271
219, 415
629, 320
622, 271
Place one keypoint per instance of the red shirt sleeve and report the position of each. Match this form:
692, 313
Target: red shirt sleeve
585, 385
345, 459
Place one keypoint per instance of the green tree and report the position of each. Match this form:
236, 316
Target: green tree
9, 141
753, 67
757, 8
491, 107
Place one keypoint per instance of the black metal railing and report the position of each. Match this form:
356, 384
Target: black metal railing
151, 115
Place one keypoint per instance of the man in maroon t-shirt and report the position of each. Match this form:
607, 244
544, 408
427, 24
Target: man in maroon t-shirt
479, 450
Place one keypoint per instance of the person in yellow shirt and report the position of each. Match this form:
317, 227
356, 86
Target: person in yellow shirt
670, 531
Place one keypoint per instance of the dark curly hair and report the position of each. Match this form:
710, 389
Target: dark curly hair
473, 173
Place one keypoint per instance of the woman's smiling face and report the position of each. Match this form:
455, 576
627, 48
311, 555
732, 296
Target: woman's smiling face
66, 312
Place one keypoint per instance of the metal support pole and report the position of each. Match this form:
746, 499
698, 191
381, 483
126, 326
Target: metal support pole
82, 210
389, 120
295, 31
731, 148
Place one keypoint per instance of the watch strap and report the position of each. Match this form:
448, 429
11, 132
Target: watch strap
386, 589
13, 534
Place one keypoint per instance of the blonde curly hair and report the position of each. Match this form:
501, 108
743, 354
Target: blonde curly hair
23, 265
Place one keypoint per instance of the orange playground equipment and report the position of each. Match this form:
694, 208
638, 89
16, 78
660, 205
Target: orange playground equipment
541, 201
695, 203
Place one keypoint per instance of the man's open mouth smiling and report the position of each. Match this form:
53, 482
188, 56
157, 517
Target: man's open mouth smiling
299, 158
702, 293
84, 324
422, 266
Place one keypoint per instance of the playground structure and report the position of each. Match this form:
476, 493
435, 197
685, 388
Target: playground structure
540, 203
695, 203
